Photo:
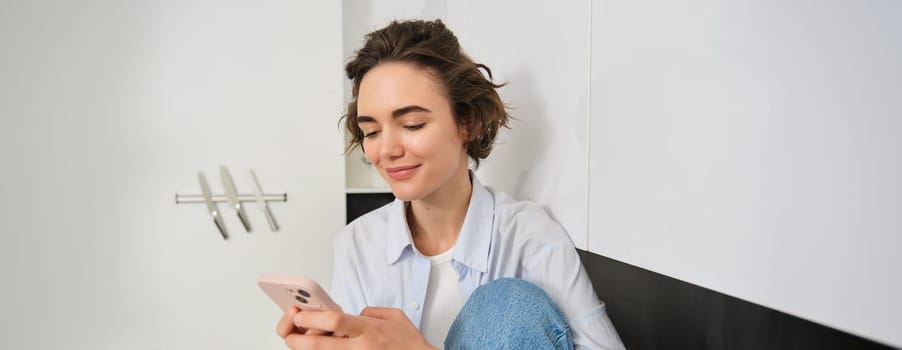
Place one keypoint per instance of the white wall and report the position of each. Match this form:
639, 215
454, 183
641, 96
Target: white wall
109, 109
754, 148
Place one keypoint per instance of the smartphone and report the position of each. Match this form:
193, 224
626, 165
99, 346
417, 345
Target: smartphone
288, 291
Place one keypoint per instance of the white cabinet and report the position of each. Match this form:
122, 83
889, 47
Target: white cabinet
753, 148
360, 176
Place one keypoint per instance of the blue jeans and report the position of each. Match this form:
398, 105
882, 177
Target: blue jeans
509, 313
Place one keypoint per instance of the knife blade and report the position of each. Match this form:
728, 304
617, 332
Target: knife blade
232, 195
211, 207
261, 203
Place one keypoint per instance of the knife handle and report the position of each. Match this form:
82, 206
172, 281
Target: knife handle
271, 220
222, 230
244, 222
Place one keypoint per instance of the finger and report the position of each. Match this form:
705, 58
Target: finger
385, 313
296, 320
300, 341
286, 324
332, 321
317, 332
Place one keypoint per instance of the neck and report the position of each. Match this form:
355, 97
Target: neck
435, 221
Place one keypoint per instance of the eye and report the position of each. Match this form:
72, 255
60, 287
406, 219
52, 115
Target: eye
415, 127
371, 134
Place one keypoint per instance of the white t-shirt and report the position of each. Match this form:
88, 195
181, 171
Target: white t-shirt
443, 299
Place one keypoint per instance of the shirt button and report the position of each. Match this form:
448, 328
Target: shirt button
415, 306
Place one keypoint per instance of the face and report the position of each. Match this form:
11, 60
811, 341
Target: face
411, 135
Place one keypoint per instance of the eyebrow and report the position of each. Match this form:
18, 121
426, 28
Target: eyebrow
394, 114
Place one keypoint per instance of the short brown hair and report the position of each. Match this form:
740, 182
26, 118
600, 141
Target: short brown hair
432, 46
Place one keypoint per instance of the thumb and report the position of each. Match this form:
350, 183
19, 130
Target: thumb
330, 321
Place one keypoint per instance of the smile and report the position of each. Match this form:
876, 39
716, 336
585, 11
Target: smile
402, 173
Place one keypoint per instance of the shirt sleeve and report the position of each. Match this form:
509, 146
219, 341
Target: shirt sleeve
552, 263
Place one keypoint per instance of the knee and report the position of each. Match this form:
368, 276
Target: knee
513, 283
509, 287
506, 293
512, 310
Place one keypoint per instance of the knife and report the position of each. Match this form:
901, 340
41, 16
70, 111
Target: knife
211, 207
261, 203
232, 195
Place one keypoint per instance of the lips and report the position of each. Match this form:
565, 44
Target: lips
402, 172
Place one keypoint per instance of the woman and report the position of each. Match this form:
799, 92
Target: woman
451, 262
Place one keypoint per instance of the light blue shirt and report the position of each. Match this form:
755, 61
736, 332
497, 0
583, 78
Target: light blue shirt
376, 264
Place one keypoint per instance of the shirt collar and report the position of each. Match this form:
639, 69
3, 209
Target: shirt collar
472, 247
398, 237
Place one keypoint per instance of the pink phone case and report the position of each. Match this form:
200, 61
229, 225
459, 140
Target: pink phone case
288, 291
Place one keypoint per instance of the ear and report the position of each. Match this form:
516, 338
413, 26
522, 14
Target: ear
470, 133
463, 134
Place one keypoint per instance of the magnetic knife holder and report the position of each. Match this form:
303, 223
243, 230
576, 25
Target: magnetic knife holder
221, 198
260, 198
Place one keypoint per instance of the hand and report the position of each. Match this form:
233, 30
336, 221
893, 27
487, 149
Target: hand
286, 324
375, 328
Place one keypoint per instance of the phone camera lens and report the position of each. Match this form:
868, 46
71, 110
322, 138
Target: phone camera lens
303, 293
301, 299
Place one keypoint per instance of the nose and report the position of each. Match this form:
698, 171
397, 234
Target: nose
390, 146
